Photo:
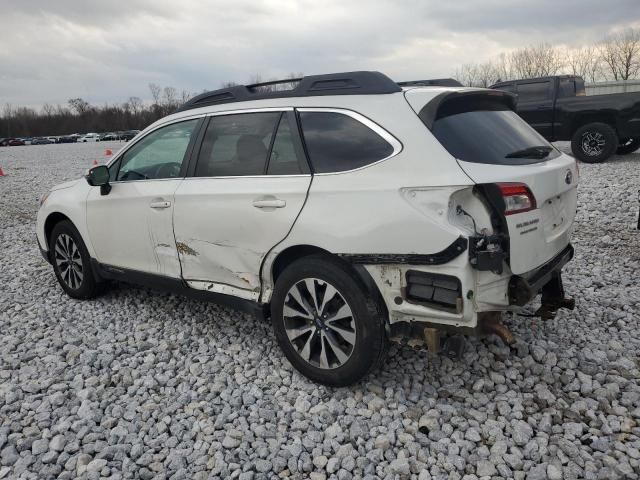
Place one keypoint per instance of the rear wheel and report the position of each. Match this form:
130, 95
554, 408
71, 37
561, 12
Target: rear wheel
71, 262
594, 142
628, 145
326, 322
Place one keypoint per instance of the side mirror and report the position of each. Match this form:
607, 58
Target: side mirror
98, 176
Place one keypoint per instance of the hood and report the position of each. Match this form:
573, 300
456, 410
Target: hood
68, 184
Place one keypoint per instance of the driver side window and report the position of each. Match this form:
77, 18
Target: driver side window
158, 155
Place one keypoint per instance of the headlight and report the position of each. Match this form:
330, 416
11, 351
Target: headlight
44, 197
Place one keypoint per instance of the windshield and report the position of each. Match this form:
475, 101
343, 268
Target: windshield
492, 136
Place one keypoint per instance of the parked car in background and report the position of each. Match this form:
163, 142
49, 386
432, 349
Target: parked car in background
41, 141
129, 134
108, 137
88, 137
598, 126
11, 142
263, 200
67, 139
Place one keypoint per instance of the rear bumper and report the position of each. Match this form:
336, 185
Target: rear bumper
523, 288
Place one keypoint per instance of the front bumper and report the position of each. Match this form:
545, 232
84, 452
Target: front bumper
523, 288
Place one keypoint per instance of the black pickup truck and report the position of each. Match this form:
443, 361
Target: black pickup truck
597, 125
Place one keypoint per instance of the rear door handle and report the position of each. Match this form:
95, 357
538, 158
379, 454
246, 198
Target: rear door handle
162, 204
269, 203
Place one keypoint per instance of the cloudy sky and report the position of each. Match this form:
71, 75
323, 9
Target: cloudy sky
106, 51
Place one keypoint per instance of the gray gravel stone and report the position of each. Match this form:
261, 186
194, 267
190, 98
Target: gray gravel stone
485, 468
521, 432
400, 466
40, 446
139, 384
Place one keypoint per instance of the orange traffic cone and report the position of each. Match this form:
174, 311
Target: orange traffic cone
2, 174
108, 152
95, 162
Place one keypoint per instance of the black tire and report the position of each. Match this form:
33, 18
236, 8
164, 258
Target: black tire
367, 321
628, 145
594, 142
77, 281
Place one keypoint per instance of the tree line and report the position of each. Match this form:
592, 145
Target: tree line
617, 57
79, 116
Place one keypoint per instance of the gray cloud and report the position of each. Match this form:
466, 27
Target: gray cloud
108, 51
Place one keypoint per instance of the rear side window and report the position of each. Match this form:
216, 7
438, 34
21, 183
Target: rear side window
236, 145
337, 142
566, 88
492, 135
529, 92
285, 159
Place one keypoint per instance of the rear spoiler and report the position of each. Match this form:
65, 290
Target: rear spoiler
450, 103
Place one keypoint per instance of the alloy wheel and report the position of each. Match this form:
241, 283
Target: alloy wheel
69, 261
319, 323
593, 143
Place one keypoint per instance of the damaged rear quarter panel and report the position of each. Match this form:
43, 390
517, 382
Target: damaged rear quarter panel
391, 282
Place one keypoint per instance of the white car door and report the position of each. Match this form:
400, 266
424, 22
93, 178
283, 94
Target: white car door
131, 226
245, 192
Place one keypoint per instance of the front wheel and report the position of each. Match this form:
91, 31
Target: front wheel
71, 262
326, 322
628, 145
594, 142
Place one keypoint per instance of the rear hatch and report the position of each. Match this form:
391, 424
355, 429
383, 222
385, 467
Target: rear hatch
494, 146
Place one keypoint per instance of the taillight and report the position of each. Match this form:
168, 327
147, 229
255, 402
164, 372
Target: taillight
517, 198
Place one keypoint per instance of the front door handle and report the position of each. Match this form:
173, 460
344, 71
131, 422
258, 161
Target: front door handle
162, 204
269, 203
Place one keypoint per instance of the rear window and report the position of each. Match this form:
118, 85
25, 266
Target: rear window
494, 136
566, 88
337, 142
530, 92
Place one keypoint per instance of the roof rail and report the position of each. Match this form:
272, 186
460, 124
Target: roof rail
347, 83
437, 82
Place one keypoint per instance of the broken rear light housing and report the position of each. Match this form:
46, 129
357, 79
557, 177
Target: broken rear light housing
517, 198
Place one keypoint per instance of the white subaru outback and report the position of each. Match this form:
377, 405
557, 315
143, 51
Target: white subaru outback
351, 209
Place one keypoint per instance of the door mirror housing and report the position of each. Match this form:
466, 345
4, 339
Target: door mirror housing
98, 176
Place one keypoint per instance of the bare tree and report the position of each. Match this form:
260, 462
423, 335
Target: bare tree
584, 62
80, 105
621, 54
467, 74
135, 105
185, 95
503, 67
536, 61
7, 113
170, 97
487, 75
155, 91
48, 109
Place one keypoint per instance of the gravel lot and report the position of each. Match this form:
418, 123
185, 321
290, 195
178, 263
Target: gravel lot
139, 384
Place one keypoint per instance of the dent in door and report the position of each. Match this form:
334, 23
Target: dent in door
161, 238
194, 252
